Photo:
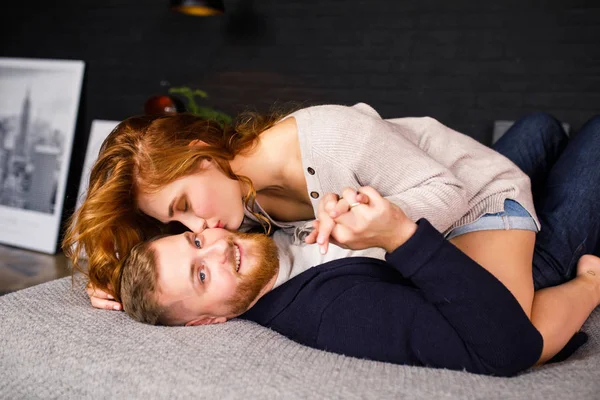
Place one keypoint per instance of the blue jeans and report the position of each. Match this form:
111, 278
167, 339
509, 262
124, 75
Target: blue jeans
565, 181
514, 216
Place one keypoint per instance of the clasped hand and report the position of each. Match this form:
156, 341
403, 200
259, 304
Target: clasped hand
358, 220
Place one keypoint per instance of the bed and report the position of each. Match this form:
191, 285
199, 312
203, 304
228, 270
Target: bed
53, 344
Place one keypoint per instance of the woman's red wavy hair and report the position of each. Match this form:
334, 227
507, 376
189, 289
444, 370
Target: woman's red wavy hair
146, 153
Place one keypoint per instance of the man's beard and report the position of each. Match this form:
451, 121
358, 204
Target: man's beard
265, 251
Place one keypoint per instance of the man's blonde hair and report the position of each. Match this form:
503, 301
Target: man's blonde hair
139, 285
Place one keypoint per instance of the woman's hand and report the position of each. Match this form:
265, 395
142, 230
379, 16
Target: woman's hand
371, 222
102, 299
332, 206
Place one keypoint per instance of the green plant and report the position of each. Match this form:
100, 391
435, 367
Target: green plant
193, 107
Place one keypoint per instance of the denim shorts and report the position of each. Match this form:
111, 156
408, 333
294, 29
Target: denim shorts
514, 216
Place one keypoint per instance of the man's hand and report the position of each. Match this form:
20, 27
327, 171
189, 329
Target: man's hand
364, 219
102, 299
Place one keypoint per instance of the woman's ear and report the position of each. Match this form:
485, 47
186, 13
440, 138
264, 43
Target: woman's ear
197, 142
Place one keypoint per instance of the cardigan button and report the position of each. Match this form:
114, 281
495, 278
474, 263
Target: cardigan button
310, 171
314, 195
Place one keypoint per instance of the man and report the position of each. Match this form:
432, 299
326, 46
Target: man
427, 304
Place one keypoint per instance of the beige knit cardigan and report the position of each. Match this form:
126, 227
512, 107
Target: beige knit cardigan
426, 168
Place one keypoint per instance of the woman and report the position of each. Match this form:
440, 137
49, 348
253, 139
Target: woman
286, 166
566, 179
283, 164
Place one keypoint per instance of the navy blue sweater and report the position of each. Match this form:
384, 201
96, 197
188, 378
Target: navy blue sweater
429, 305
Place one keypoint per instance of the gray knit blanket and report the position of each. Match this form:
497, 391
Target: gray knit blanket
53, 344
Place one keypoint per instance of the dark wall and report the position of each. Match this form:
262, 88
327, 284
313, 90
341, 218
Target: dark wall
466, 63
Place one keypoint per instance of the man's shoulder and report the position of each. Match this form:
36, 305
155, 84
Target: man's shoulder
313, 290
295, 309
340, 271
337, 273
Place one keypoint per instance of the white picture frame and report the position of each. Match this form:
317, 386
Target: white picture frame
39, 102
98, 132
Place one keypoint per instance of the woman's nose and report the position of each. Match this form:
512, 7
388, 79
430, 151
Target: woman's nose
196, 225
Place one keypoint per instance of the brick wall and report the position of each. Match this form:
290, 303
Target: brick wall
466, 63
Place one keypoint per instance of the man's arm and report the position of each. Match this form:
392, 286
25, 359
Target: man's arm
458, 316
476, 305
455, 295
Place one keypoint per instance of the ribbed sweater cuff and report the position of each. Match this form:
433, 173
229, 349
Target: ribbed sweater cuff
417, 250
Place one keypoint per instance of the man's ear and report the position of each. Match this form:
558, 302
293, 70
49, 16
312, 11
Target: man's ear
197, 142
206, 320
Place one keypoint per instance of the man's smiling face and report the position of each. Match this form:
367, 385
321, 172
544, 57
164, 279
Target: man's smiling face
214, 275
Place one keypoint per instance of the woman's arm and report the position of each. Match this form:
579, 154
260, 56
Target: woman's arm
411, 164
348, 148
402, 173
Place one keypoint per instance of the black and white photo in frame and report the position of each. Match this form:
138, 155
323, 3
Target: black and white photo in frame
39, 101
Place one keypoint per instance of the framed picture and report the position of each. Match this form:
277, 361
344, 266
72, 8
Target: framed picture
39, 100
98, 132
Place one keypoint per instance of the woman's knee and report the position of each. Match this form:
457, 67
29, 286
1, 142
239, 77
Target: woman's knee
587, 139
593, 124
543, 126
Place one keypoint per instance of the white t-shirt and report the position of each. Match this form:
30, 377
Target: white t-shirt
295, 258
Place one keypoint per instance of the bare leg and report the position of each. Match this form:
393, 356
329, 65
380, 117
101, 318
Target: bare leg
559, 312
568, 209
506, 254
